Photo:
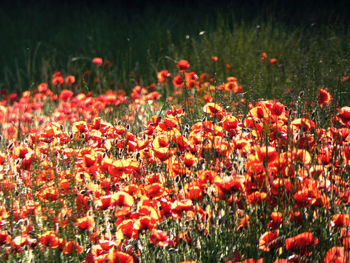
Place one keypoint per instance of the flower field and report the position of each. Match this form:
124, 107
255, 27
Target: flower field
186, 169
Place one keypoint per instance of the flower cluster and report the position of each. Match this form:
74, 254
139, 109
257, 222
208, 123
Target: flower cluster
77, 179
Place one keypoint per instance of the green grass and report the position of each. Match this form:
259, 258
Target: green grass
40, 42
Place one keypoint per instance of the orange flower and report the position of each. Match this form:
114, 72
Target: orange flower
324, 97
260, 112
104, 202
49, 194
214, 58
244, 223
306, 197
251, 260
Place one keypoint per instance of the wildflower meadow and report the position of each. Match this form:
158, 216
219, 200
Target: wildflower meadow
182, 170
237, 152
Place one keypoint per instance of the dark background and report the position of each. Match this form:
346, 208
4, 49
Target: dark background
292, 12
39, 37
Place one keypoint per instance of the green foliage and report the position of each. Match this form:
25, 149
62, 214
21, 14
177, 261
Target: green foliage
308, 56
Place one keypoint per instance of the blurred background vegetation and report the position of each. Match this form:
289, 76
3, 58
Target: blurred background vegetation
309, 39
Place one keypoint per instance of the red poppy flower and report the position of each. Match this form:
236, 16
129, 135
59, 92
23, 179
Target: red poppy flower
22, 240
86, 222
183, 65
230, 183
104, 202
301, 243
72, 247
58, 80
161, 147
180, 206
340, 220
344, 113
303, 124
122, 199
5, 238
98, 61
160, 237
337, 255
119, 257
345, 78
69, 79
154, 190
263, 56
260, 112
145, 222
174, 111
66, 95
267, 153
273, 61
147, 209
194, 192
189, 159
276, 220
269, 241
50, 239
42, 87
178, 81
229, 122
256, 197
306, 197
251, 260
128, 228
163, 75
324, 97
213, 108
